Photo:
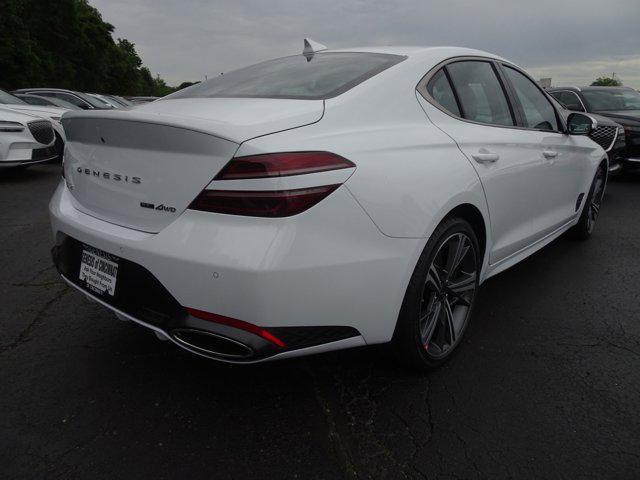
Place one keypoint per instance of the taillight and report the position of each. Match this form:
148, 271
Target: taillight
270, 203
282, 165
276, 203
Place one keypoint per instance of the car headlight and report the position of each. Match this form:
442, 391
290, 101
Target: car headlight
632, 128
6, 126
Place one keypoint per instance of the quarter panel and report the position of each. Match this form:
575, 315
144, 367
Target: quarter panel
408, 174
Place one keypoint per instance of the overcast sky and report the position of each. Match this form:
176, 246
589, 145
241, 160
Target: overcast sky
571, 41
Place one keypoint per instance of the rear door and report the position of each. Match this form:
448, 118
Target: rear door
474, 110
565, 164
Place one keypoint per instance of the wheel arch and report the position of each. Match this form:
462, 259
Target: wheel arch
472, 214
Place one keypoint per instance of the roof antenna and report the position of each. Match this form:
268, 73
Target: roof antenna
311, 48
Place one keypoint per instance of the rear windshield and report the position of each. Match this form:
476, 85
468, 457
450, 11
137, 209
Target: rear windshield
322, 76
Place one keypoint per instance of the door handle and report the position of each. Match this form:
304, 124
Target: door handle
549, 154
485, 157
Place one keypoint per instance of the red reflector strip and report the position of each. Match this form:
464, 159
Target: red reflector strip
232, 322
276, 203
282, 165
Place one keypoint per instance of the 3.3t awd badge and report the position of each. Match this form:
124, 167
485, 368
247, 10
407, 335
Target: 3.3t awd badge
162, 207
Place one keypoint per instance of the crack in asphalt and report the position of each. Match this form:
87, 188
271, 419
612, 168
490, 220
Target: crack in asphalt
334, 436
23, 336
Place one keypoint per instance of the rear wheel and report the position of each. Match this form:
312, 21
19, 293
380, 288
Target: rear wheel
587, 222
440, 297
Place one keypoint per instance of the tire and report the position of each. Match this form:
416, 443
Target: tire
437, 306
591, 209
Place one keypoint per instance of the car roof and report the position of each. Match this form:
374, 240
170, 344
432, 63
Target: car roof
414, 52
44, 89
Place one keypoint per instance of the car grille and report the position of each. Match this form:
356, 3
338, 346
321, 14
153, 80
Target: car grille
42, 131
604, 135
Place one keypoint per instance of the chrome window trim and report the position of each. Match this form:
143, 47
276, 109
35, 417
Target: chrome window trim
421, 88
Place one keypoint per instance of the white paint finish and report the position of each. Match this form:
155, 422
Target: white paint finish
528, 195
16, 147
105, 158
317, 268
52, 113
347, 260
235, 119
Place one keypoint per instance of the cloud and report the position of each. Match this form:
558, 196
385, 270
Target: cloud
626, 69
188, 39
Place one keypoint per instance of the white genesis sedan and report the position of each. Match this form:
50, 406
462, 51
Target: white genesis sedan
322, 201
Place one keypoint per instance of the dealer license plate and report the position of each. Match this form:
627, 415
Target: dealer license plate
99, 270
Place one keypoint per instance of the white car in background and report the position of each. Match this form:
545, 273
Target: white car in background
25, 139
7, 100
322, 201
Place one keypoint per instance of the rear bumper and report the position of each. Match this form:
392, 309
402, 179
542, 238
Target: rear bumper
265, 355
322, 280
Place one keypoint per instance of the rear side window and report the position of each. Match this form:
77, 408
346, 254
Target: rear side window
481, 96
322, 76
441, 91
537, 109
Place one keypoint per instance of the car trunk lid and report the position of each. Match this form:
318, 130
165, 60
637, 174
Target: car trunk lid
141, 168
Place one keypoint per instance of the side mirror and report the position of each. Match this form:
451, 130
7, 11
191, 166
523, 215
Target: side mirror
580, 124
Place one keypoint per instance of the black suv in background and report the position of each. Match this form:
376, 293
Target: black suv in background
619, 104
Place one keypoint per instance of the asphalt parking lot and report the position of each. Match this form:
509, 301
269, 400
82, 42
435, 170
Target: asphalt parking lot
547, 384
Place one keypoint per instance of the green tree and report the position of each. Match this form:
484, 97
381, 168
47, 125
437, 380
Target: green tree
606, 82
185, 85
67, 44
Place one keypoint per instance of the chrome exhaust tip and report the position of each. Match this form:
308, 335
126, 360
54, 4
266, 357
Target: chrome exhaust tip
211, 344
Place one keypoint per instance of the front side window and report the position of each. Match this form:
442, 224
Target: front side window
569, 100
481, 96
603, 100
322, 76
440, 90
537, 109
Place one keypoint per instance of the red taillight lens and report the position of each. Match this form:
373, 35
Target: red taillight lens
232, 322
277, 203
282, 165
